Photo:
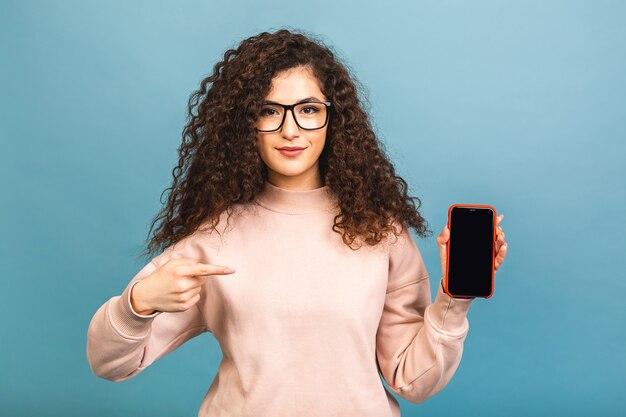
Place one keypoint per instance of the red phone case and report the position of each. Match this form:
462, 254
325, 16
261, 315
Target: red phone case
448, 247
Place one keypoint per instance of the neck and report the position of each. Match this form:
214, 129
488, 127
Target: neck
308, 181
291, 201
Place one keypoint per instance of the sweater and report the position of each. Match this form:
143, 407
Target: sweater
307, 326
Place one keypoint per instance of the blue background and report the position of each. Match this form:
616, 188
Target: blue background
517, 104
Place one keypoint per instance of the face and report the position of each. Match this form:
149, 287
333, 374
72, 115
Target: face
298, 172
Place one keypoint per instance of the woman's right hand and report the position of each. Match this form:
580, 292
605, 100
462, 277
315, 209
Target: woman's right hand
173, 287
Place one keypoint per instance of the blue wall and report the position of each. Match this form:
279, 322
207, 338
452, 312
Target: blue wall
518, 104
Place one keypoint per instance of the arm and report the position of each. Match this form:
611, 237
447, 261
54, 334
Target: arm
121, 342
418, 344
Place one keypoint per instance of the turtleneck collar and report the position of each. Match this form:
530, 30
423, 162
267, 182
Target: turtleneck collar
296, 202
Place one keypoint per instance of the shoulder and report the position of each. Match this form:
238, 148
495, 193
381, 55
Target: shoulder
406, 264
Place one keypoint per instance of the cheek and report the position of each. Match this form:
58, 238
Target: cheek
318, 139
265, 149
261, 144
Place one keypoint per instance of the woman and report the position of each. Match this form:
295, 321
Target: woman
326, 291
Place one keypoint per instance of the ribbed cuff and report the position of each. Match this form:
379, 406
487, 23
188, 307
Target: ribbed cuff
449, 315
126, 320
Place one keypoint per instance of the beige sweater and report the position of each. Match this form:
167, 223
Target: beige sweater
305, 324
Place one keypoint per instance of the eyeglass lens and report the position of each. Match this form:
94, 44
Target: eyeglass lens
308, 115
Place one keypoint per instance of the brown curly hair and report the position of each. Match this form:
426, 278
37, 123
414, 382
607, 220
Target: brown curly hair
219, 164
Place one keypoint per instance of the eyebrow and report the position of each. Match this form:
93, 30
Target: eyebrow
299, 101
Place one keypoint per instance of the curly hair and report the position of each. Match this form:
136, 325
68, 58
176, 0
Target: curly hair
219, 164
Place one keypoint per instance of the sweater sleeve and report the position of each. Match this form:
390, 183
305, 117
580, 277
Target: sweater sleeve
121, 343
418, 344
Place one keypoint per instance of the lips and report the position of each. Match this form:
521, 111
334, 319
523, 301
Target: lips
286, 148
288, 152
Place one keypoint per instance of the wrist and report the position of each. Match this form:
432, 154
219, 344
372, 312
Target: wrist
137, 303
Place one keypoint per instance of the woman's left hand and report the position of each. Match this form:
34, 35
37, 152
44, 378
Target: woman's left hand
500, 249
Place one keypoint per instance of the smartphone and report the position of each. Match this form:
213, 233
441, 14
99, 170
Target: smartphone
471, 251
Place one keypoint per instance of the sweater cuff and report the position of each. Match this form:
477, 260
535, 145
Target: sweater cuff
448, 314
126, 320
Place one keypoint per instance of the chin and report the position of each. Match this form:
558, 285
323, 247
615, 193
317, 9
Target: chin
290, 173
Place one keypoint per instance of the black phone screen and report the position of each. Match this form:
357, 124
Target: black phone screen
470, 257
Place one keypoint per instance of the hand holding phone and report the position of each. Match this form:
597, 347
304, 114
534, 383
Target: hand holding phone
472, 247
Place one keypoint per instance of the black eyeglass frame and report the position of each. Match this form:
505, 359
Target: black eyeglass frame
288, 107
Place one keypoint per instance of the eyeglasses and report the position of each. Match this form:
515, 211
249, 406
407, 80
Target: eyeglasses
309, 115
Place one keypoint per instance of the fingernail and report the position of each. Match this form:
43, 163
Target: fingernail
228, 270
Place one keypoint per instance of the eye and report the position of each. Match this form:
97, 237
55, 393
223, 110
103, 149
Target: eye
268, 111
309, 110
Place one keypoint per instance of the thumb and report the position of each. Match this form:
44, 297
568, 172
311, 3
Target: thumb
444, 236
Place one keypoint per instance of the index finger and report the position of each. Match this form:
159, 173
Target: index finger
201, 269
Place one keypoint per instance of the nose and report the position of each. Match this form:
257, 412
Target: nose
290, 127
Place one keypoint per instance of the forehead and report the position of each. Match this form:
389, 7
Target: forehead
293, 85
